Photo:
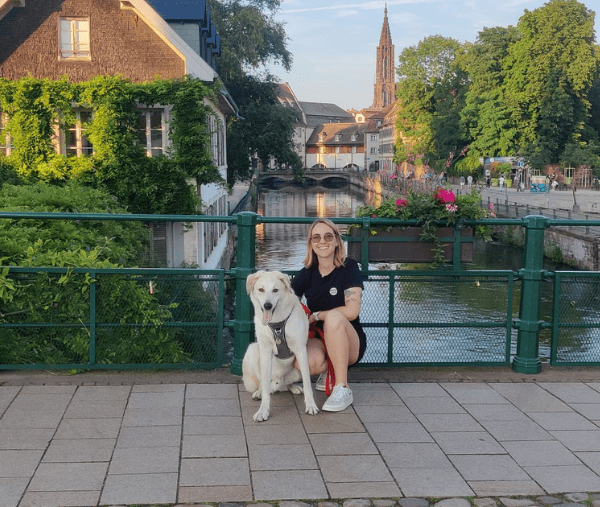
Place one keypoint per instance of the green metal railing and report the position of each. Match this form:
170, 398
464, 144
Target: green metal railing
185, 325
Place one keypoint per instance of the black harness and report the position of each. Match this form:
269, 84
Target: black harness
278, 328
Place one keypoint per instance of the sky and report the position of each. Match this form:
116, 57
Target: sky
334, 43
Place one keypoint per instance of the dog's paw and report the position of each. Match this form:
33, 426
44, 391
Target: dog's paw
261, 415
257, 395
312, 409
295, 389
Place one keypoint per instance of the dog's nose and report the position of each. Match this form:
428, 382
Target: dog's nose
268, 305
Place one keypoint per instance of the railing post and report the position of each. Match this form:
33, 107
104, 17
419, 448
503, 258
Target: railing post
527, 359
245, 255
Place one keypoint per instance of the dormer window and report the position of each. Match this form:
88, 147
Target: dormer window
75, 38
322, 136
338, 137
354, 137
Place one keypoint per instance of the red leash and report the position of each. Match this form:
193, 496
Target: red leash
313, 331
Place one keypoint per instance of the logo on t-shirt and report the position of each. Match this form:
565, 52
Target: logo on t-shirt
333, 291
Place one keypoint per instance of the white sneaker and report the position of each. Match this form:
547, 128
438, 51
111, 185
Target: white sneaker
340, 399
320, 385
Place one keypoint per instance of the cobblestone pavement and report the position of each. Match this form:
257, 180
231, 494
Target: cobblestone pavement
414, 437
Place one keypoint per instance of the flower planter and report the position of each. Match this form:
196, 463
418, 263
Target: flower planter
412, 250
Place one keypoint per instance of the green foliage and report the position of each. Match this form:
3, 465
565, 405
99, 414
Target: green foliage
119, 242
266, 130
440, 206
37, 108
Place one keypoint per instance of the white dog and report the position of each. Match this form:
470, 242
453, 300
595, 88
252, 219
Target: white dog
281, 334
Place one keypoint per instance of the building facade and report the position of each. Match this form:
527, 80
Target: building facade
82, 39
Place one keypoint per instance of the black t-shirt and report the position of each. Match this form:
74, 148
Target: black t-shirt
326, 292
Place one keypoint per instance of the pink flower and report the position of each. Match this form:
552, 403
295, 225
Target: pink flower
444, 196
401, 202
491, 206
373, 215
451, 207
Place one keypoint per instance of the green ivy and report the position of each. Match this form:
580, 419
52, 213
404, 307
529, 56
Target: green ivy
37, 108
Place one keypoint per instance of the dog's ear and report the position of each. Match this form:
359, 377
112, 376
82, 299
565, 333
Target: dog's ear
285, 279
251, 280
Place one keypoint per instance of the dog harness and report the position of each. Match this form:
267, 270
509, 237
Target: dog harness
278, 328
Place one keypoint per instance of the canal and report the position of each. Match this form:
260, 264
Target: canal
283, 247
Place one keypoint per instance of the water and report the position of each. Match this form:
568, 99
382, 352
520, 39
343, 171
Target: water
283, 247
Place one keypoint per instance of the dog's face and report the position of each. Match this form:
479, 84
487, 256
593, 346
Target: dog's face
267, 289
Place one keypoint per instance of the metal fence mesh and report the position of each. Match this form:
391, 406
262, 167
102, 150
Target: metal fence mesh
443, 319
113, 319
578, 334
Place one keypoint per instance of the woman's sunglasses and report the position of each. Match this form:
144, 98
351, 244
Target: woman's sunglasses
316, 238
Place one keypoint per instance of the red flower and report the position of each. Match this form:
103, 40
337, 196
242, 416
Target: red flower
401, 202
444, 196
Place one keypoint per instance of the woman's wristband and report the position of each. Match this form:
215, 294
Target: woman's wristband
316, 314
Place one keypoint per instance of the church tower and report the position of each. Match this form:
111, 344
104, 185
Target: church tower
385, 75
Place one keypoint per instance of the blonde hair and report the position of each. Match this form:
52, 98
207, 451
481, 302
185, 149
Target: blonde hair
339, 256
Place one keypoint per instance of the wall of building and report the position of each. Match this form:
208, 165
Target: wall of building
31, 45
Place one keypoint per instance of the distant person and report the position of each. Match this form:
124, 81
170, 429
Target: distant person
470, 181
501, 181
554, 185
462, 182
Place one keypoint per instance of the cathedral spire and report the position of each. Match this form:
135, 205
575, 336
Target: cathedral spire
385, 80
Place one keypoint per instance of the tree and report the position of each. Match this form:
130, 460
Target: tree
266, 130
251, 39
549, 72
431, 95
485, 119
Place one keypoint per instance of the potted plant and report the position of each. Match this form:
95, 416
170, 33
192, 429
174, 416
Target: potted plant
426, 241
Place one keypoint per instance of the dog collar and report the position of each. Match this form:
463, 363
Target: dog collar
278, 329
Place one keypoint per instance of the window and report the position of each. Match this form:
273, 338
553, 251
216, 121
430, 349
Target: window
75, 39
5, 139
373, 138
152, 131
76, 144
373, 150
338, 137
217, 140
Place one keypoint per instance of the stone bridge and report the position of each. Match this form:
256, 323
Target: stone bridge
312, 177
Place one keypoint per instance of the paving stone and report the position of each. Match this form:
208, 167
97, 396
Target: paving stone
281, 457
345, 443
68, 477
353, 469
453, 502
215, 472
276, 434
11, 490
202, 406
565, 479
413, 502
276, 485
19, 463
383, 502
80, 450
319, 504
211, 425
25, 439
383, 414
288, 503
506, 431
60, 499
214, 446
215, 494
88, 428
449, 422
540, 453
89, 393
96, 409
577, 497
357, 502
147, 460
211, 391
333, 422
468, 442
500, 488
31, 419
550, 500
398, 432
363, 489
485, 502
517, 502
152, 417
150, 436
152, 400
140, 489
488, 468
428, 482
433, 405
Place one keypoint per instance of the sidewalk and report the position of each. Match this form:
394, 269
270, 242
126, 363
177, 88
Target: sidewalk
188, 437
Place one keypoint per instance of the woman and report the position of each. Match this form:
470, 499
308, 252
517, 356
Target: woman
332, 285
